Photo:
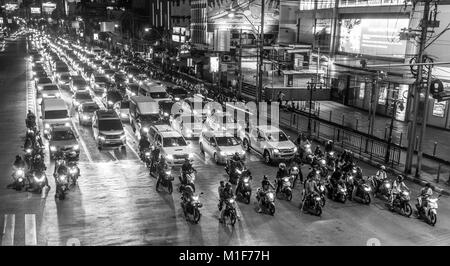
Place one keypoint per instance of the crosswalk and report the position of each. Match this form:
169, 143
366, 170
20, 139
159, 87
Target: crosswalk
11, 229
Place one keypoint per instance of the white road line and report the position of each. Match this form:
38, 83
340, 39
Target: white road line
129, 145
83, 144
30, 230
8, 230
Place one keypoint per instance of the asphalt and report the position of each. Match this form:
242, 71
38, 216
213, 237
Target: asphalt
116, 203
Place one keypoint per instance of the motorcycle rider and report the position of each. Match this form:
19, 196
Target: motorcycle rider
425, 193
397, 186
318, 152
38, 163
336, 177
329, 146
162, 166
235, 162
227, 193
30, 120
303, 142
265, 187
310, 190
19, 163
380, 176
220, 190
143, 144
281, 173
185, 168
155, 156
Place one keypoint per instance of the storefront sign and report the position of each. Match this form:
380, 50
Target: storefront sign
376, 37
383, 95
214, 64
439, 108
403, 97
362, 90
35, 10
48, 7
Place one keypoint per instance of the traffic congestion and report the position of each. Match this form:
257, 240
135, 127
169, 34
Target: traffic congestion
88, 101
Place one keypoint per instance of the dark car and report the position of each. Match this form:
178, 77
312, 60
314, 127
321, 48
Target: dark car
178, 93
111, 98
165, 109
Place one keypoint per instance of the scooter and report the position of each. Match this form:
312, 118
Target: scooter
230, 211
267, 203
313, 205
74, 172
190, 178
62, 186
191, 209
362, 193
19, 179
285, 190
165, 180
429, 213
244, 189
295, 175
401, 204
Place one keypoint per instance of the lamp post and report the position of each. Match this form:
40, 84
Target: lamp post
395, 104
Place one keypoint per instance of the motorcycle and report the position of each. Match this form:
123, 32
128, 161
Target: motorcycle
74, 172
286, 189
429, 214
382, 189
238, 173
244, 189
308, 157
295, 175
28, 156
190, 179
322, 166
362, 193
191, 208
230, 211
165, 180
38, 182
19, 179
146, 157
338, 193
322, 193
401, 204
267, 203
62, 186
349, 181
313, 205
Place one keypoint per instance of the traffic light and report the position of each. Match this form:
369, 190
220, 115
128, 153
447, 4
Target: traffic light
436, 87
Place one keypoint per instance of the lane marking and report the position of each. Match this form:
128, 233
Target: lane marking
30, 230
83, 144
8, 230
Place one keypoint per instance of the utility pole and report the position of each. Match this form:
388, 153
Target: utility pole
261, 54
417, 87
240, 63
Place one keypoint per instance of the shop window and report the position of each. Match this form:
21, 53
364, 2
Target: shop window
383, 95
439, 108
362, 90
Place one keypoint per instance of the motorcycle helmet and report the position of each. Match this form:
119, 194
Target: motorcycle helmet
189, 189
383, 167
228, 185
18, 157
282, 166
265, 178
236, 154
428, 185
222, 183
400, 178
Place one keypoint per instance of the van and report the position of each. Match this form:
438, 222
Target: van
54, 112
144, 111
156, 91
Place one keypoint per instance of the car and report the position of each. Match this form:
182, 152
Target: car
80, 97
158, 92
220, 145
62, 139
178, 93
78, 84
108, 129
50, 91
54, 112
64, 79
99, 84
270, 142
189, 125
172, 144
109, 74
86, 111
111, 97
40, 82
143, 113
139, 78
39, 74
123, 110
220, 121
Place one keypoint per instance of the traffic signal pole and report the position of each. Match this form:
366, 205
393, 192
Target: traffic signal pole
417, 88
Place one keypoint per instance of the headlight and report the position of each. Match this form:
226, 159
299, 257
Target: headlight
331, 153
191, 156
286, 179
73, 171
123, 137
323, 161
295, 149
246, 180
20, 172
110, 103
318, 198
388, 185
52, 148
195, 198
123, 115
147, 154
39, 179
168, 172
45, 95
177, 98
29, 151
101, 138
276, 150
231, 201
76, 147
85, 117
270, 196
222, 153
169, 157
294, 168
405, 193
67, 124
166, 114
145, 129
238, 171
367, 189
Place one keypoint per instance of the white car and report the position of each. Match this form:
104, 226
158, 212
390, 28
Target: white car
172, 144
50, 91
189, 125
220, 145
62, 138
271, 142
221, 121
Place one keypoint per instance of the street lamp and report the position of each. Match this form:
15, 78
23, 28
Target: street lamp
396, 103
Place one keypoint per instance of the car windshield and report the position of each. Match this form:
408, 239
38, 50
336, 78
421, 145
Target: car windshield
110, 125
125, 105
149, 118
62, 69
45, 80
101, 79
179, 91
174, 142
192, 119
65, 77
79, 83
63, 135
159, 95
56, 114
83, 96
226, 141
90, 108
50, 88
276, 136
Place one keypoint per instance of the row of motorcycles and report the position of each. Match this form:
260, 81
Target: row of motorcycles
31, 176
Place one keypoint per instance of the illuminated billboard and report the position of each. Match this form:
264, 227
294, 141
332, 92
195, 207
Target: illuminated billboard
376, 37
48, 7
35, 10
